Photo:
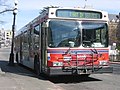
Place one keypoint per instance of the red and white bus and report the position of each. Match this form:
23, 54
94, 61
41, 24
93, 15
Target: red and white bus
65, 41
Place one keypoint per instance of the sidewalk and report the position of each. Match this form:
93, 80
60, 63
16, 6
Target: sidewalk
7, 73
6, 81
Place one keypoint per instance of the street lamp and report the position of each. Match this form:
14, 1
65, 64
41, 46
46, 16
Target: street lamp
11, 58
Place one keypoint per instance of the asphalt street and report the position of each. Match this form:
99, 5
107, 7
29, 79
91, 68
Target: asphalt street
21, 78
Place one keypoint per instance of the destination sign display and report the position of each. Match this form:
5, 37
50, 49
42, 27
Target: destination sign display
78, 14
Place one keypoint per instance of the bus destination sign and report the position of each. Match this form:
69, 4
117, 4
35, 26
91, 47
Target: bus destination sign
78, 14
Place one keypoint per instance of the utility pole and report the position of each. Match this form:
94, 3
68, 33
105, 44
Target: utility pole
11, 58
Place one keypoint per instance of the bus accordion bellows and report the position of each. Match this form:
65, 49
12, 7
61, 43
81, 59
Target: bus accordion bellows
65, 41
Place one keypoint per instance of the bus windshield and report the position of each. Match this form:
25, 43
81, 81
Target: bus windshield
94, 34
63, 33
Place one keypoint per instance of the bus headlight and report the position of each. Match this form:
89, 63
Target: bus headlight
57, 63
67, 58
103, 62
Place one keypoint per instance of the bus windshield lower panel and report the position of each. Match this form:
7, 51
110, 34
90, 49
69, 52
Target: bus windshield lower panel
94, 34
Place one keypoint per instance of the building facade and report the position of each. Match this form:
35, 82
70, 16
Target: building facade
5, 37
113, 29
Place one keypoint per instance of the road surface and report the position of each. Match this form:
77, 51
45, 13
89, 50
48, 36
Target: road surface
21, 78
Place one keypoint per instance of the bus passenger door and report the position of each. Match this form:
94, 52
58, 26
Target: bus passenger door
43, 47
21, 42
25, 50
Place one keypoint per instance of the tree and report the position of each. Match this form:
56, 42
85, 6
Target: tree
118, 34
112, 32
4, 7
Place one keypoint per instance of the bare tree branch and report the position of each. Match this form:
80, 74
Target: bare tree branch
6, 10
4, 7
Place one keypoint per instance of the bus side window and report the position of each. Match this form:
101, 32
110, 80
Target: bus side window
36, 37
25, 41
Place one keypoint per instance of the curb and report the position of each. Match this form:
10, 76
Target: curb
1, 72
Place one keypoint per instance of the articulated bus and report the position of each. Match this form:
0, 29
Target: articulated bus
65, 41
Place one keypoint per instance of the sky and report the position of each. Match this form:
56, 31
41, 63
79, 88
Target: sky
29, 9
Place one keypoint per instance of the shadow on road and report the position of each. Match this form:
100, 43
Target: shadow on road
20, 70
17, 69
72, 79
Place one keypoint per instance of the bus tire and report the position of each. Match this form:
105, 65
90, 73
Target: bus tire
37, 65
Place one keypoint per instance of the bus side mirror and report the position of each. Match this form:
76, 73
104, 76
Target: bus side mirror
44, 25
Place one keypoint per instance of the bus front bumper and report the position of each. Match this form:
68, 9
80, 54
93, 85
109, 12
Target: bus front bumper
80, 70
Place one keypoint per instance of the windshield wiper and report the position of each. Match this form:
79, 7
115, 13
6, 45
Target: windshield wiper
71, 44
